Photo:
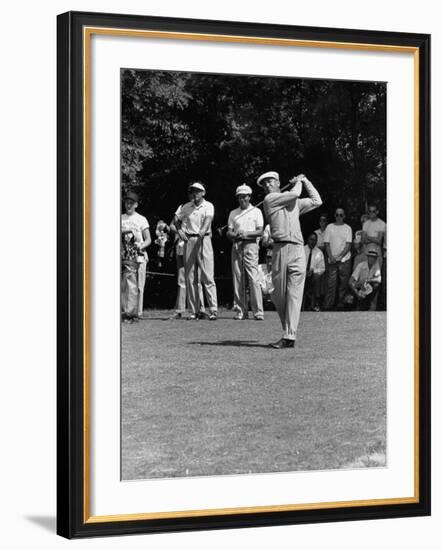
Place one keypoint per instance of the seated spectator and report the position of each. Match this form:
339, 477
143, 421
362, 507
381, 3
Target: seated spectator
365, 280
314, 271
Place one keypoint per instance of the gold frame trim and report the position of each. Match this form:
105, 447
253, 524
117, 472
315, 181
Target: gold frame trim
87, 33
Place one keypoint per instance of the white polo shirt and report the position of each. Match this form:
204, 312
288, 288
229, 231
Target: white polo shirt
192, 217
337, 236
250, 219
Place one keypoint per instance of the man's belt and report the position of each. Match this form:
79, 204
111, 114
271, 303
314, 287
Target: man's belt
286, 242
197, 235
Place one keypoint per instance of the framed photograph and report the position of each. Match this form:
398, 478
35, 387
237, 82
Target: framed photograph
237, 345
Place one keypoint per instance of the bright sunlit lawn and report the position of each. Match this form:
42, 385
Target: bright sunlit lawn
209, 398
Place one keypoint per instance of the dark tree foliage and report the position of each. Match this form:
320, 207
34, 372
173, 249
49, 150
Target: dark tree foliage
225, 130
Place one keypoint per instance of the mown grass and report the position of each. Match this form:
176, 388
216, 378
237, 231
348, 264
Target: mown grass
209, 398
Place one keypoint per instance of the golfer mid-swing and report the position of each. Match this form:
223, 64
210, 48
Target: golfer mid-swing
282, 211
244, 228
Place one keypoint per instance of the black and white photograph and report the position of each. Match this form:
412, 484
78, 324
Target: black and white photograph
253, 274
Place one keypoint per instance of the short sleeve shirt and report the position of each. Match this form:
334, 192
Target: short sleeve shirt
373, 228
135, 223
338, 236
363, 273
192, 217
250, 219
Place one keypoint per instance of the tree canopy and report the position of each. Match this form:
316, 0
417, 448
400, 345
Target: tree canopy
227, 129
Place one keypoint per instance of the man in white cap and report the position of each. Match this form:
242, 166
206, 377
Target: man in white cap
193, 222
282, 211
244, 227
365, 280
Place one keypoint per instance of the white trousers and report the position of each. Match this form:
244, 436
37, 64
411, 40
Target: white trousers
198, 267
180, 304
288, 277
245, 267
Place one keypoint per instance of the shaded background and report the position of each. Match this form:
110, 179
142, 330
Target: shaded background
227, 129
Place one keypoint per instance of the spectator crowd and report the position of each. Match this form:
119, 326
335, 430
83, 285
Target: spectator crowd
345, 269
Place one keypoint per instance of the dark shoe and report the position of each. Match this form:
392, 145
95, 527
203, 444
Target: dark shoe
202, 315
176, 315
283, 343
213, 316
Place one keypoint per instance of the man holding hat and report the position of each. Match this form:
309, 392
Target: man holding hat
244, 227
282, 210
132, 221
193, 223
366, 279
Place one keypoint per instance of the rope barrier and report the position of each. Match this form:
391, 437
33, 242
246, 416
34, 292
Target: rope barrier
162, 274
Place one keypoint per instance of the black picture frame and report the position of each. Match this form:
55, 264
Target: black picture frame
72, 520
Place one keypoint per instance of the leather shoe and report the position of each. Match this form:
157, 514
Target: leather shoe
283, 343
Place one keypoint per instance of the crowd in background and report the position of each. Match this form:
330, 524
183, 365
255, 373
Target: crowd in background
345, 268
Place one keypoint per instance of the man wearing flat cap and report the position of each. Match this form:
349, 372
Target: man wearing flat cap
193, 223
282, 210
244, 227
139, 226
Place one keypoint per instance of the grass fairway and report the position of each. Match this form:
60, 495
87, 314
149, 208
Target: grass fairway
209, 398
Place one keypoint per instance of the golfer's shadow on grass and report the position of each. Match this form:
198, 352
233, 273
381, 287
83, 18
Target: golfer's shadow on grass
233, 343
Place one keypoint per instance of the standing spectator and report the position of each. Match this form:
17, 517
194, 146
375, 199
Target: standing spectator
383, 289
193, 223
320, 232
267, 243
337, 239
358, 234
288, 262
365, 281
181, 297
129, 278
358, 248
245, 227
313, 273
132, 221
373, 232
323, 221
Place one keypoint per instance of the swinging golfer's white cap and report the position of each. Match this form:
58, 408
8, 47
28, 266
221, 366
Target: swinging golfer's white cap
266, 175
243, 190
197, 185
